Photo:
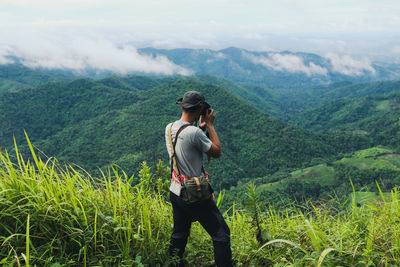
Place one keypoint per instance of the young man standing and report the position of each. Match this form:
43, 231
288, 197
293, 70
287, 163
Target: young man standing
189, 148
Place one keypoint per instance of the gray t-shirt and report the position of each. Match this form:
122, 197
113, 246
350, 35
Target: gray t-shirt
191, 144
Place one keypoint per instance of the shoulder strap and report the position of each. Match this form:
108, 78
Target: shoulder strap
174, 165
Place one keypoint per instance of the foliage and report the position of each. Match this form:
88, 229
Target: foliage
375, 117
16, 76
324, 180
93, 125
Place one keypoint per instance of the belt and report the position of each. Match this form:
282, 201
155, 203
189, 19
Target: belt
181, 178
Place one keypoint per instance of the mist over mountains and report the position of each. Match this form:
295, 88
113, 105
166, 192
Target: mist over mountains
278, 69
293, 70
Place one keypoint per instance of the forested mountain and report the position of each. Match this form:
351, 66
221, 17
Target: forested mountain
276, 69
376, 117
259, 96
327, 179
292, 103
91, 124
120, 120
287, 105
17, 76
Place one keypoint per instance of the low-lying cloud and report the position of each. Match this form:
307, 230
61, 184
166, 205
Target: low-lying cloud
290, 63
3, 55
350, 66
81, 53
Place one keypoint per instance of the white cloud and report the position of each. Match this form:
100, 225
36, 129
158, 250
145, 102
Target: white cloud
199, 24
80, 53
220, 55
396, 49
350, 66
3, 55
217, 56
290, 63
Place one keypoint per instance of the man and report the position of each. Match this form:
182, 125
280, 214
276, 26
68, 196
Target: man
191, 144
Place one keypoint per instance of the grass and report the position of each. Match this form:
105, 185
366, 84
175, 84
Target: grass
369, 198
371, 152
384, 105
320, 173
54, 215
393, 159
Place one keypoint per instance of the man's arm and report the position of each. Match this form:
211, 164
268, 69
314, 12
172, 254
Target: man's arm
215, 150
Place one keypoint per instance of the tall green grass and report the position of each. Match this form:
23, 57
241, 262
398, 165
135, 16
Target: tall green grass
53, 215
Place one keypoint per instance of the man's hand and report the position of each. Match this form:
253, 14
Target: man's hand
207, 120
202, 123
215, 150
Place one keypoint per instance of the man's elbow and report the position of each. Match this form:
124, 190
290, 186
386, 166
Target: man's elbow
218, 154
215, 151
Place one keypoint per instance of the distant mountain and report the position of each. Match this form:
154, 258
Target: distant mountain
17, 76
286, 104
277, 69
259, 96
294, 103
92, 124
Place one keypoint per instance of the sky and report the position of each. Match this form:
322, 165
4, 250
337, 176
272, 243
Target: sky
80, 33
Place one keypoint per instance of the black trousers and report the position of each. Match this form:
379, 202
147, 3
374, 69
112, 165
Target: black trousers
209, 216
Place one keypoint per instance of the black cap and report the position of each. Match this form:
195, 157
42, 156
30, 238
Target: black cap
193, 99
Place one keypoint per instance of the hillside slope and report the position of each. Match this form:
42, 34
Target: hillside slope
17, 76
327, 179
94, 125
376, 117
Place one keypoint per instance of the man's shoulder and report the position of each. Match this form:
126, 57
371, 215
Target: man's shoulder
168, 125
189, 130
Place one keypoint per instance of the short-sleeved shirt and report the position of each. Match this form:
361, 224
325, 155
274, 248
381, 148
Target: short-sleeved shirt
192, 143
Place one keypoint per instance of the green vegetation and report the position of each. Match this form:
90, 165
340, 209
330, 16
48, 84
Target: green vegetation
320, 182
56, 213
374, 117
60, 216
263, 98
10, 85
17, 76
93, 125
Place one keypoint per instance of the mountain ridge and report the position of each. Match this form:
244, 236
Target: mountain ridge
123, 127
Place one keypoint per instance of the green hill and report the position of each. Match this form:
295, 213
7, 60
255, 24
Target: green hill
376, 117
49, 108
364, 168
10, 85
295, 102
93, 125
17, 76
263, 98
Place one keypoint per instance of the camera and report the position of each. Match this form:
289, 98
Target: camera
205, 111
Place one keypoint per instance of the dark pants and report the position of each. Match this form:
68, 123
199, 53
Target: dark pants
208, 215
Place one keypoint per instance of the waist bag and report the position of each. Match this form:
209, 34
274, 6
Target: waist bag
193, 189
